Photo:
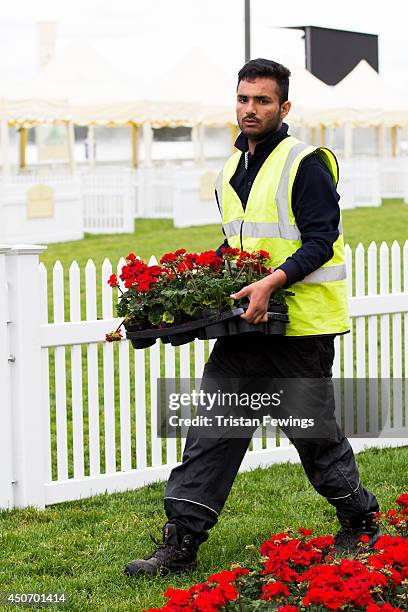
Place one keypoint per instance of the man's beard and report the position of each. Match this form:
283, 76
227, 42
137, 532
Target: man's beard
273, 126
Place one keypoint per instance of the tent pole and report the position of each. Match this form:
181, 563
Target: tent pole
234, 136
322, 135
394, 141
5, 146
380, 138
330, 142
71, 145
135, 138
148, 143
313, 136
23, 145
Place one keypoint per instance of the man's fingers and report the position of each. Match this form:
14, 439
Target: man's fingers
240, 294
255, 316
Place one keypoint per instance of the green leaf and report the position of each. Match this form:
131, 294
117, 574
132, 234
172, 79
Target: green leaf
168, 317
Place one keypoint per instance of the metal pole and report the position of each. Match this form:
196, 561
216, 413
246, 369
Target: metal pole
247, 31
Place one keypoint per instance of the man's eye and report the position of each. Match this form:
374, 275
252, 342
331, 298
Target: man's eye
242, 99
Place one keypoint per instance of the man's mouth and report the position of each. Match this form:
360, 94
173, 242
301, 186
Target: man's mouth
250, 121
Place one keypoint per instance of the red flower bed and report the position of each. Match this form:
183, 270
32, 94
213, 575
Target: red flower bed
296, 572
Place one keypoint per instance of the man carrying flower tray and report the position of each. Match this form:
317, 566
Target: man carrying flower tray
275, 194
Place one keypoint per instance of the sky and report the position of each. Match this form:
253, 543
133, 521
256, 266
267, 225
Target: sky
147, 37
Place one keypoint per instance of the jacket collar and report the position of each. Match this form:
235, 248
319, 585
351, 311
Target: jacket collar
266, 145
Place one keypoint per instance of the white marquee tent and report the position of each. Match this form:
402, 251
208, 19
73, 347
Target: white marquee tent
363, 98
82, 87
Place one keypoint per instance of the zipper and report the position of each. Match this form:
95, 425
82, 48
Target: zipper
240, 235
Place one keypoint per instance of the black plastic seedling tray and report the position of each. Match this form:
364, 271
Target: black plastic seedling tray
214, 325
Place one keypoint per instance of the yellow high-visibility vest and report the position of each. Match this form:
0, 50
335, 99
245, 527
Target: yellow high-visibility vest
320, 303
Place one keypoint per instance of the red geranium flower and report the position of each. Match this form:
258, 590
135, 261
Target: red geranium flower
113, 280
273, 589
402, 500
305, 532
114, 336
168, 258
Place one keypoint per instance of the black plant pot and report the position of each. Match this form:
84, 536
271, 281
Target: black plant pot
230, 323
184, 338
276, 325
175, 334
213, 330
142, 343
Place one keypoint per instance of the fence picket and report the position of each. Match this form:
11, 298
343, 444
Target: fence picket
360, 344
154, 376
60, 377
45, 369
140, 400
405, 275
124, 397
76, 373
198, 358
348, 353
396, 339
92, 374
373, 342
385, 341
124, 407
170, 376
108, 376
186, 387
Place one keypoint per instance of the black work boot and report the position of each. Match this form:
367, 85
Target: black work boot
348, 540
177, 553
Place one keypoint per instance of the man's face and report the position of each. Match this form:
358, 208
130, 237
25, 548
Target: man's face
258, 108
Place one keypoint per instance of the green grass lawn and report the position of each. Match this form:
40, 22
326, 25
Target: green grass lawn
81, 547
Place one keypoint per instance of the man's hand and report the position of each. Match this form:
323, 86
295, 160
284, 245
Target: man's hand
259, 294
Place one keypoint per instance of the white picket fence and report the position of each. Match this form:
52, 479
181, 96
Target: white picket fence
78, 415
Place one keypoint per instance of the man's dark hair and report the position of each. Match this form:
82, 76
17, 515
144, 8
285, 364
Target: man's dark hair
264, 68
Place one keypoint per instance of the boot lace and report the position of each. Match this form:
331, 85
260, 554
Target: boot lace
165, 552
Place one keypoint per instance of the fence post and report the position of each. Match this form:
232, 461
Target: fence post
6, 433
29, 462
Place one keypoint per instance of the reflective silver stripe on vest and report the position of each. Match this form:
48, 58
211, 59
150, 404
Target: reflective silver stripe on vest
325, 275
232, 228
287, 230
253, 229
218, 187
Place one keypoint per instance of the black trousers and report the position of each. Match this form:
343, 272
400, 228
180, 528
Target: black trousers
198, 488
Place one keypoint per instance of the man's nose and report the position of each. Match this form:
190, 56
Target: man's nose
251, 107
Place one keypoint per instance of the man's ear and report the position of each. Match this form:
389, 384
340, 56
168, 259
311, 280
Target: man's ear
285, 108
